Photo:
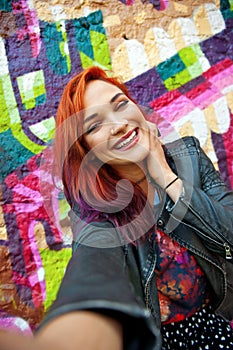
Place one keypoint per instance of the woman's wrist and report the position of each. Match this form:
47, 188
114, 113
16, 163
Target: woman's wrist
171, 183
174, 189
164, 181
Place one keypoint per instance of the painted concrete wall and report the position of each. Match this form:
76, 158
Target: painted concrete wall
175, 56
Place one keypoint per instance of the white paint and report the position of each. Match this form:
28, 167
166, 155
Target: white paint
137, 57
197, 118
63, 25
22, 324
36, 29
3, 59
222, 114
57, 12
86, 11
204, 63
41, 274
227, 89
43, 129
165, 44
212, 155
30, 4
216, 20
66, 48
11, 102
189, 32
28, 81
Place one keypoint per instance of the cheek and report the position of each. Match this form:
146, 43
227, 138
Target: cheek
97, 146
136, 113
145, 137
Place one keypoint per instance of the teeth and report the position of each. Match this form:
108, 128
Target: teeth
126, 141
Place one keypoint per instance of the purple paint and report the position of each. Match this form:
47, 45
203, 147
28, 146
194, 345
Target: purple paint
146, 87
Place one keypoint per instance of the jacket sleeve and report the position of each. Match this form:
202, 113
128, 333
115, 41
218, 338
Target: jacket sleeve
206, 203
97, 279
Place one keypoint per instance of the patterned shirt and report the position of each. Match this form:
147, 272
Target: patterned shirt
181, 283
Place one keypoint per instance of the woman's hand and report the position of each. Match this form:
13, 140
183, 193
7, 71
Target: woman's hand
157, 165
158, 168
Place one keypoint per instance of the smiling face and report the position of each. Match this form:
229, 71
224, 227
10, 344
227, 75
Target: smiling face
114, 127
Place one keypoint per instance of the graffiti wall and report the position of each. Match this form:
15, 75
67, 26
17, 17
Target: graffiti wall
175, 56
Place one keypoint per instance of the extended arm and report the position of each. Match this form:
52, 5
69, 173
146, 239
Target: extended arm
72, 331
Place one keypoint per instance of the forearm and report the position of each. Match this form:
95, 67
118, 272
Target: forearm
88, 330
77, 330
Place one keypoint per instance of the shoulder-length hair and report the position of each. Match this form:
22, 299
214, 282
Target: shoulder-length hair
90, 184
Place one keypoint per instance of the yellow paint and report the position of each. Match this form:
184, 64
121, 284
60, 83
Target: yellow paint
151, 49
229, 97
40, 236
202, 22
120, 63
181, 8
175, 32
187, 130
111, 21
211, 119
140, 17
3, 232
217, 3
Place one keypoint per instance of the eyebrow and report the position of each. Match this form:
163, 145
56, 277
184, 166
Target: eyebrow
92, 116
115, 97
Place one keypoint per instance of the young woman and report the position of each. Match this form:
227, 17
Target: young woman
153, 231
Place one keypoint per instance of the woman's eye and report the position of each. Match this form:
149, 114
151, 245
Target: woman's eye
92, 127
121, 104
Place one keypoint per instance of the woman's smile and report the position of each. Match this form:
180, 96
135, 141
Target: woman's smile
127, 141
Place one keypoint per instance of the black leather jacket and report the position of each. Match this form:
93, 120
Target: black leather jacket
120, 281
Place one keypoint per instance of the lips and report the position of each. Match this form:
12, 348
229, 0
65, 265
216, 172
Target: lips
126, 139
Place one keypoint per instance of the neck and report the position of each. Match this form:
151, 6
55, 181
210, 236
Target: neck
136, 173
140, 180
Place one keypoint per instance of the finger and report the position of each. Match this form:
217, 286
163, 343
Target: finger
153, 128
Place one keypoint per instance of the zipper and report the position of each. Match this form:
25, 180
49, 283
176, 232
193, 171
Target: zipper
228, 251
148, 281
147, 284
225, 244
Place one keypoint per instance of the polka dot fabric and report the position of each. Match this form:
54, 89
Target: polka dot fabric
204, 330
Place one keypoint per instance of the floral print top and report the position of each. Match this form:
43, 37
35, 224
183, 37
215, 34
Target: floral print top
181, 283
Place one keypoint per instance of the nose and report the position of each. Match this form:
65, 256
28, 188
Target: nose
119, 127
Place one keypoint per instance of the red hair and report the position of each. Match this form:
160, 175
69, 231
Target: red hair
71, 150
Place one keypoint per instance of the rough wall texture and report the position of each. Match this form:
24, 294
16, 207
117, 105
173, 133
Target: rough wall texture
175, 56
